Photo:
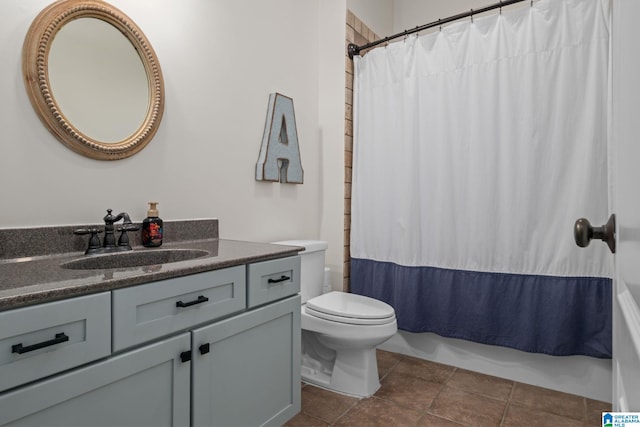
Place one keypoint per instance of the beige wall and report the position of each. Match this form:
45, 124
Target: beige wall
221, 60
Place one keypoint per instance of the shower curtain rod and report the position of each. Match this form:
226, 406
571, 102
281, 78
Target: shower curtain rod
353, 49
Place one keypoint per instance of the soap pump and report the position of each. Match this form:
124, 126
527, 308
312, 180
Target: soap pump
152, 227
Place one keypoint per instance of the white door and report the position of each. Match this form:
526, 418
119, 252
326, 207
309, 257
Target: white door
625, 201
624, 152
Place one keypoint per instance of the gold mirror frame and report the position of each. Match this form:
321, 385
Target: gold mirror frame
35, 54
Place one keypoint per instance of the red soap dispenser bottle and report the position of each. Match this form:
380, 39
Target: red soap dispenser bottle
152, 227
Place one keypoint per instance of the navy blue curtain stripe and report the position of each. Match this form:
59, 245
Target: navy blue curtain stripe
559, 316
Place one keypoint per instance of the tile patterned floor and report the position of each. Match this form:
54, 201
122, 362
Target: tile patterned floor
420, 393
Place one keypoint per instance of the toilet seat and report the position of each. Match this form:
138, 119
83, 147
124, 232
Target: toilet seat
350, 308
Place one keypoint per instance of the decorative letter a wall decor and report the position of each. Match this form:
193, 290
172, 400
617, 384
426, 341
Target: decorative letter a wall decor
280, 154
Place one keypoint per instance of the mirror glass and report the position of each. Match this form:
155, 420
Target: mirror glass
98, 80
93, 78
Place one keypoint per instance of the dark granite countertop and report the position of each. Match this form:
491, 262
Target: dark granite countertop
28, 280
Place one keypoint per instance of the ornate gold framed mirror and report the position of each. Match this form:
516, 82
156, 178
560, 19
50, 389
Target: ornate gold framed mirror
93, 78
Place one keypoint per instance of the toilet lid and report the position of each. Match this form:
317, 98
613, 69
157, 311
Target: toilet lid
350, 308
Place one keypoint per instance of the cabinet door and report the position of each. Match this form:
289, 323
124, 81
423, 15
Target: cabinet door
250, 373
145, 387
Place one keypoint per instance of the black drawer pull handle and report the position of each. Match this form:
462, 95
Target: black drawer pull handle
18, 348
200, 300
281, 279
204, 348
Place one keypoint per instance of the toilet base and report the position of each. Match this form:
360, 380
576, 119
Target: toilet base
354, 372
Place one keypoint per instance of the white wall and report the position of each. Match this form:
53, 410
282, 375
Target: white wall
220, 61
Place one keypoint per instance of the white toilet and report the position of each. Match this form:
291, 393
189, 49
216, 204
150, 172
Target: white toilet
340, 331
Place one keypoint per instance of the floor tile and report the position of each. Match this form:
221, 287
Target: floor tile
595, 409
545, 400
427, 370
373, 412
468, 408
325, 405
421, 393
408, 391
487, 385
304, 420
429, 420
386, 361
519, 416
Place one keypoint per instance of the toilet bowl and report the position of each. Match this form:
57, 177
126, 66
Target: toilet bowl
349, 336
340, 331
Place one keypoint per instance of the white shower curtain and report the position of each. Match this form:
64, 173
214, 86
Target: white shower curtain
475, 150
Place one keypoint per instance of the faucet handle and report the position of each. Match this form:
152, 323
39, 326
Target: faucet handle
128, 227
94, 241
82, 231
123, 241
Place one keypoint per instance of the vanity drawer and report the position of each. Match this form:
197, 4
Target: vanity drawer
272, 280
41, 340
145, 312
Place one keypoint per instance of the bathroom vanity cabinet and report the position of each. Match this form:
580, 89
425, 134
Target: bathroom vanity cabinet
214, 348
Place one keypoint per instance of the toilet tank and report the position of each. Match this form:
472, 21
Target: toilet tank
311, 266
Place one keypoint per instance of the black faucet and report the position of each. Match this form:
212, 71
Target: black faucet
109, 242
